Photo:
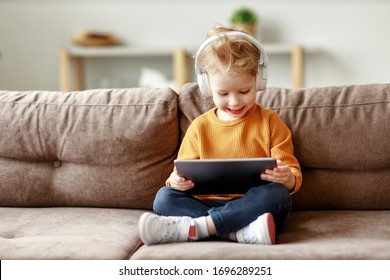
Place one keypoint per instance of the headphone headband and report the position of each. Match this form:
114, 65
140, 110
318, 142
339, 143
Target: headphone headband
263, 62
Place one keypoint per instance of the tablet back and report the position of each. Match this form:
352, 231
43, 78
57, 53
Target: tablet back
224, 176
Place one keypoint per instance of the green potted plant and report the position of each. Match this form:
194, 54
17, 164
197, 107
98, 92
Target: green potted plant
245, 18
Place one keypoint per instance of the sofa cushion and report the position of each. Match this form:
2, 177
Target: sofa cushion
191, 105
102, 148
340, 127
68, 233
340, 137
314, 235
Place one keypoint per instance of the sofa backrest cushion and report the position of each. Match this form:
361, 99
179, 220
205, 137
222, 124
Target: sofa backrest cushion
341, 139
102, 148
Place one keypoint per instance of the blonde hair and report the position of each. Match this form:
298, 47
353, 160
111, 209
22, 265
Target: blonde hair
235, 53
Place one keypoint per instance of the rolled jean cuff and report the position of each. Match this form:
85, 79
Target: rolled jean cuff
217, 220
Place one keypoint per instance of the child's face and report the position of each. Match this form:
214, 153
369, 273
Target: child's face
233, 94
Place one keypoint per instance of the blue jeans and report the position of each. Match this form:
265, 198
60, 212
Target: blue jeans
228, 216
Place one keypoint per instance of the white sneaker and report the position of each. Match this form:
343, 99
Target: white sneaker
153, 229
260, 231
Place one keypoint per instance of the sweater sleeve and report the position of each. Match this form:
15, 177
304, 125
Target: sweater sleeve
189, 148
282, 148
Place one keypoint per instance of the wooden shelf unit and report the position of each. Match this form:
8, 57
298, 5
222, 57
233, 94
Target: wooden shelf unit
72, 61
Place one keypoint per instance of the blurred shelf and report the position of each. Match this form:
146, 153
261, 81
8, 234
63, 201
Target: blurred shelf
181, 60
118, 51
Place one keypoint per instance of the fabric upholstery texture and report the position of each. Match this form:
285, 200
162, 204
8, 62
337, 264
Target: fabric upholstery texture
307, 235
77, 169
102, 148
82, 233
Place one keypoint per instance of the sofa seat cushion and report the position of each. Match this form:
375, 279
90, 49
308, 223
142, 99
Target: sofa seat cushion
307, 235
68, 233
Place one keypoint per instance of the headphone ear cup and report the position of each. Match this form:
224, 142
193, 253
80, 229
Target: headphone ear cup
258, 79
204, 86
261, 78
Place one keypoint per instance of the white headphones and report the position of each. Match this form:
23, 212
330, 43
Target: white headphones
201, 74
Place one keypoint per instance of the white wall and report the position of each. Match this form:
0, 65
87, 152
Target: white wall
353, 36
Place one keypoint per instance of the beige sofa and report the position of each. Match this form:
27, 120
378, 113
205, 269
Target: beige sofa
77, 169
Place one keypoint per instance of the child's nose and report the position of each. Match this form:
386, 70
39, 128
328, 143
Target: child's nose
234, 100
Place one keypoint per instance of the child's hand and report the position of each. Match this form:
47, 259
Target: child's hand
180, 183
281, 174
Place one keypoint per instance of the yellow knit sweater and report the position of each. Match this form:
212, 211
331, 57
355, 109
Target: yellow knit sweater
259, 133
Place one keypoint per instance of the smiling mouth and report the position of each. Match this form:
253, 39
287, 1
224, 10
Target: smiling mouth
235, 111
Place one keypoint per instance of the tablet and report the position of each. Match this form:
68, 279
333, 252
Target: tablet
224, 176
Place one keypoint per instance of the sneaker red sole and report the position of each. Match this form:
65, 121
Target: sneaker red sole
271, 228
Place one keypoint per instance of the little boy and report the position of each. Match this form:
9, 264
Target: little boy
231, 67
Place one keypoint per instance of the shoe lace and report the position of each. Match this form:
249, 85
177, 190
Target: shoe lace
172, 230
